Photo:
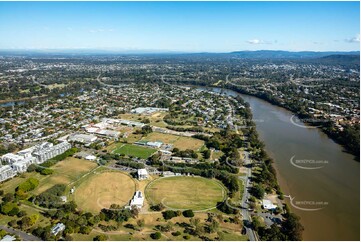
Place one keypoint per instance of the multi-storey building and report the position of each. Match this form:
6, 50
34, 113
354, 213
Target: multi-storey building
18, 163
6, 172
43, 155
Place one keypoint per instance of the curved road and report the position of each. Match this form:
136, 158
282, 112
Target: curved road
21, 234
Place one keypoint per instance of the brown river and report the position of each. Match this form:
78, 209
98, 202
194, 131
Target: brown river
323, 180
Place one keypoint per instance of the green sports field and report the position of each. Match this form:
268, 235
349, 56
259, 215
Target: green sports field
135, 150
182, 192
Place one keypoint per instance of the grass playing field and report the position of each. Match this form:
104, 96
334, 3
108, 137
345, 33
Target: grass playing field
65, 172
179, 142
155, 119
103, 189
135, 150
196, 193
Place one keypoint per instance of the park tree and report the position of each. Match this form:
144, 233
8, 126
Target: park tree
188, 213
156, 235
292, 227
258, 191
101, 237
207, 154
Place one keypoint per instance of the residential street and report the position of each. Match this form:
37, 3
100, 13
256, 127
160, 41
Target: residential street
21, 234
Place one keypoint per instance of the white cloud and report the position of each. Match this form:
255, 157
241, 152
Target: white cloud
258, 42
254, 41
355, 39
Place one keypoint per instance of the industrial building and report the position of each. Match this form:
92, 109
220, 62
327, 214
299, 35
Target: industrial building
82, 138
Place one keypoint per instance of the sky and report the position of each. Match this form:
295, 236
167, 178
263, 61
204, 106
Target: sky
181, 26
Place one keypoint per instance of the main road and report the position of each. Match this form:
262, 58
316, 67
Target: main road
244, 202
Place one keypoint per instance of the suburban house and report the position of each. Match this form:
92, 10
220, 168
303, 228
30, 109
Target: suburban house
57, 228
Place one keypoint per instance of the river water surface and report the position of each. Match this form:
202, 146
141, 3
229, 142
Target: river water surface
323, 180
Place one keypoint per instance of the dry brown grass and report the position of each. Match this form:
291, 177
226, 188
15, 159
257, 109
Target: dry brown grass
184, 143
65, 172
101, 190
165, 138
179, 142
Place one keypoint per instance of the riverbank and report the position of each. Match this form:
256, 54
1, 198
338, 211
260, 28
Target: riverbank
326, 197
342, 138
350, 144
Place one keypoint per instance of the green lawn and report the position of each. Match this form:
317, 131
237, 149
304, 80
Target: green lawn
183, 192
135, 150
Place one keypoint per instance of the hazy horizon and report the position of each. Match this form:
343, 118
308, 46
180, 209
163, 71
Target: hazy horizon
190, 27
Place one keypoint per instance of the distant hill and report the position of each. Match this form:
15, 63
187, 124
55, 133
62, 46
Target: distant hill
351, 59
279, 54
259, 54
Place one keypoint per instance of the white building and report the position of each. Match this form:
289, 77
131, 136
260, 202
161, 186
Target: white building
166, 152
109, 133
6, 172
43, 155
22, 166
57, 228
90, 157
8, 238
19, 163
131, 123
27, 152
155, 144
82, 138
267, 204
148, 110
142, 174
137, 200
11, 158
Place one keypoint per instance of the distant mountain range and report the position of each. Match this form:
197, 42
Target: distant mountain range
330, 57
279, 54
269, 54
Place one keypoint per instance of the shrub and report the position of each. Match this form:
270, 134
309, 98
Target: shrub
177, 233
46, 171
29, 185
188, 213
187, 237
156, 235
157, 207
169, 214
2, 233
101, 237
